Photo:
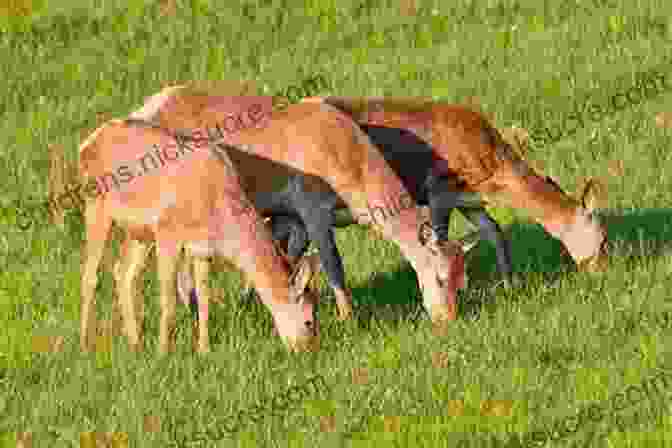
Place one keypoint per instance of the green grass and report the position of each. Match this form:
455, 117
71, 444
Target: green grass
561, 340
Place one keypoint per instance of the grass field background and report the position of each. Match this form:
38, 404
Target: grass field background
560, 340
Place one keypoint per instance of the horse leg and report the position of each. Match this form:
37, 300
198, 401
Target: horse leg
98, 225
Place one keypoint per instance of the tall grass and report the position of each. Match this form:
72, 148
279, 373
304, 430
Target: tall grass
560, 340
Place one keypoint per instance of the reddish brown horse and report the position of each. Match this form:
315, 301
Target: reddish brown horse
466, 146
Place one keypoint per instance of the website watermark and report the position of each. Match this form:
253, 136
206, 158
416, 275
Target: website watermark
594, 413
276, 405
649, 85
295, 93
75, 195
388, 210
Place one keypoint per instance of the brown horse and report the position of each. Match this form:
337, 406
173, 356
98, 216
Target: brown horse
197, 204
466, 146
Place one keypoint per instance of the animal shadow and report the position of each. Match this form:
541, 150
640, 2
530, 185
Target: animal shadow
394, 296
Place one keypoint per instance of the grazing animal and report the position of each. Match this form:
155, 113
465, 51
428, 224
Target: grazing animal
309, 138
197, 204
466, 147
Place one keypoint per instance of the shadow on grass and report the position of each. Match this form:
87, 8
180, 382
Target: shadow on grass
394, 297
640, 233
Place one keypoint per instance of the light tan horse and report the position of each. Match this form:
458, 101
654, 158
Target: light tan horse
197, 204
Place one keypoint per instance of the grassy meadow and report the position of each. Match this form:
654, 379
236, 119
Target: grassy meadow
540, 352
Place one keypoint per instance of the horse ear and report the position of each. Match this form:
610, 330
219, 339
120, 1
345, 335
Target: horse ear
594, 193
305, 269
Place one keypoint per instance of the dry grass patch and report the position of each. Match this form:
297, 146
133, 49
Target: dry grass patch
440, 360
392, 423
328, 423
616, 168
168, 8
47, 343
24, 440
496, 408
455, 408
360, 376
19, 8
99, 439
664, 120
152, 423
408, 7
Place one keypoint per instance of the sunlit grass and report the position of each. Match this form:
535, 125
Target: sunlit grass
559, 340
